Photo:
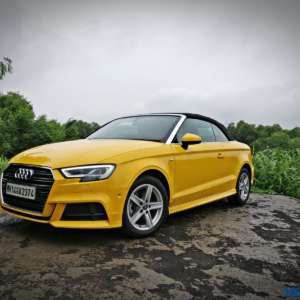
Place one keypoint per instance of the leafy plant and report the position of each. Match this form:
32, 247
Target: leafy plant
278, 171
3, 162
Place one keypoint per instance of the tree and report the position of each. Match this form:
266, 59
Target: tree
5, 67
265, 136
295, 132
19, 128
77, 129
279, 139
46, 131
269, 130
295, 143
243, 132
16, 123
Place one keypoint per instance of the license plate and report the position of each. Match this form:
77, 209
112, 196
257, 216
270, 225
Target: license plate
22, 191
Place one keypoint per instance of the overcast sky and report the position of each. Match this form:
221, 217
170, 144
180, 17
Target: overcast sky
96, 60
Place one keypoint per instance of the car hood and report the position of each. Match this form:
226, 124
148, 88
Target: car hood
80, 152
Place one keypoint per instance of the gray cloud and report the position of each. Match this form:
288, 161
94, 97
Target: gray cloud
96, 60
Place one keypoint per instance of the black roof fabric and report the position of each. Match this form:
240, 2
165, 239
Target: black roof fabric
204, 118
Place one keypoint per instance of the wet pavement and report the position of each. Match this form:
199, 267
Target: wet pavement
216, 251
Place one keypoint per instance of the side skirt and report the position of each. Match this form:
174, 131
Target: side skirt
199, 202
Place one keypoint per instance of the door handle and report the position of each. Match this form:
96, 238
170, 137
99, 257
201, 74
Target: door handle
220, 155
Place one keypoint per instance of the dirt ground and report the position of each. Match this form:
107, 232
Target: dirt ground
212, 252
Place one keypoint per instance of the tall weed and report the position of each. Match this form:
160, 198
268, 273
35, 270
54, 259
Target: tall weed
278, 171
3, 163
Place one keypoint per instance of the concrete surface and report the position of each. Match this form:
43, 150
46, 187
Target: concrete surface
212, 252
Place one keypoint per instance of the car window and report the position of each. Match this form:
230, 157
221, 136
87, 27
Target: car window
219, 134
149, 128
196, 126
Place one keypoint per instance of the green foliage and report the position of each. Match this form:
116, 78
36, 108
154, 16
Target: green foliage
20, 129
46, 131
3, 163
243, 131
16, 123
278, 171
75, 129
277, 156
5, 67
295, 143
264, 137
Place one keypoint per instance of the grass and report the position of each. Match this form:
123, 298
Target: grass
3, 163
277, 171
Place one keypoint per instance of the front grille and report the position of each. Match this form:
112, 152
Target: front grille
42, 179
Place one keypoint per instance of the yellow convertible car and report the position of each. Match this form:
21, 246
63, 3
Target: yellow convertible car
132, 173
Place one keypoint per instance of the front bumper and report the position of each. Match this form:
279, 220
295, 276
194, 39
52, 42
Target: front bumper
70, 191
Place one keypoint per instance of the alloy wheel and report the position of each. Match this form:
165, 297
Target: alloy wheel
145, 207
244, 186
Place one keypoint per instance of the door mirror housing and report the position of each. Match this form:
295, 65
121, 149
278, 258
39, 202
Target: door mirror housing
190, 139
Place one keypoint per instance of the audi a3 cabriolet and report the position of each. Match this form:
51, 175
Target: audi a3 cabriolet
132, 173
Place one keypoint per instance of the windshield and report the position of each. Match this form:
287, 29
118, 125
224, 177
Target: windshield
147, 128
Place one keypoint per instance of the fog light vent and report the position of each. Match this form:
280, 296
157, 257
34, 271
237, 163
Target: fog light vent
84, 212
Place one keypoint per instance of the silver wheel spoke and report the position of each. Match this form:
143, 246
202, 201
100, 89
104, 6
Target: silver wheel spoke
148, 193
137, 216
136, 200
155, 205
148, 219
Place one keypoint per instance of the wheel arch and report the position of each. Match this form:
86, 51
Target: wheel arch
151, 171
157, 174
248, 167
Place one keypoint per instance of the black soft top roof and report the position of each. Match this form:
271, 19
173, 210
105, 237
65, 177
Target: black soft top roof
204, 118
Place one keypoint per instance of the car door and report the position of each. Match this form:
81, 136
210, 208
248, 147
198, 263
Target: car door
228, 156
199, 169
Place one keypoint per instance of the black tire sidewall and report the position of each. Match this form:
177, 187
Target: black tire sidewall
127, 226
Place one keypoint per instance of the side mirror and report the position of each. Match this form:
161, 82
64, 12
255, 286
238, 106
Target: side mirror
190, 139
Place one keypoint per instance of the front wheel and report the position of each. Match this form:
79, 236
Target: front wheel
242, 187
145, 207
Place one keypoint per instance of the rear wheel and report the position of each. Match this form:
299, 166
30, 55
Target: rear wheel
145, 207
243, 187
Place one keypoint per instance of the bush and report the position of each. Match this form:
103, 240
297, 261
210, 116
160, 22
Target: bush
278, 171
3, 162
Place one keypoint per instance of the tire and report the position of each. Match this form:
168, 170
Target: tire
141, 217
242, 188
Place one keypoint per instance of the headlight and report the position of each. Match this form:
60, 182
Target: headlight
89, 173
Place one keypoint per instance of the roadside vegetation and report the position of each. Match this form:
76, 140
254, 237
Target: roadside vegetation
3, 162
278, 171
261, 137
276, 156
